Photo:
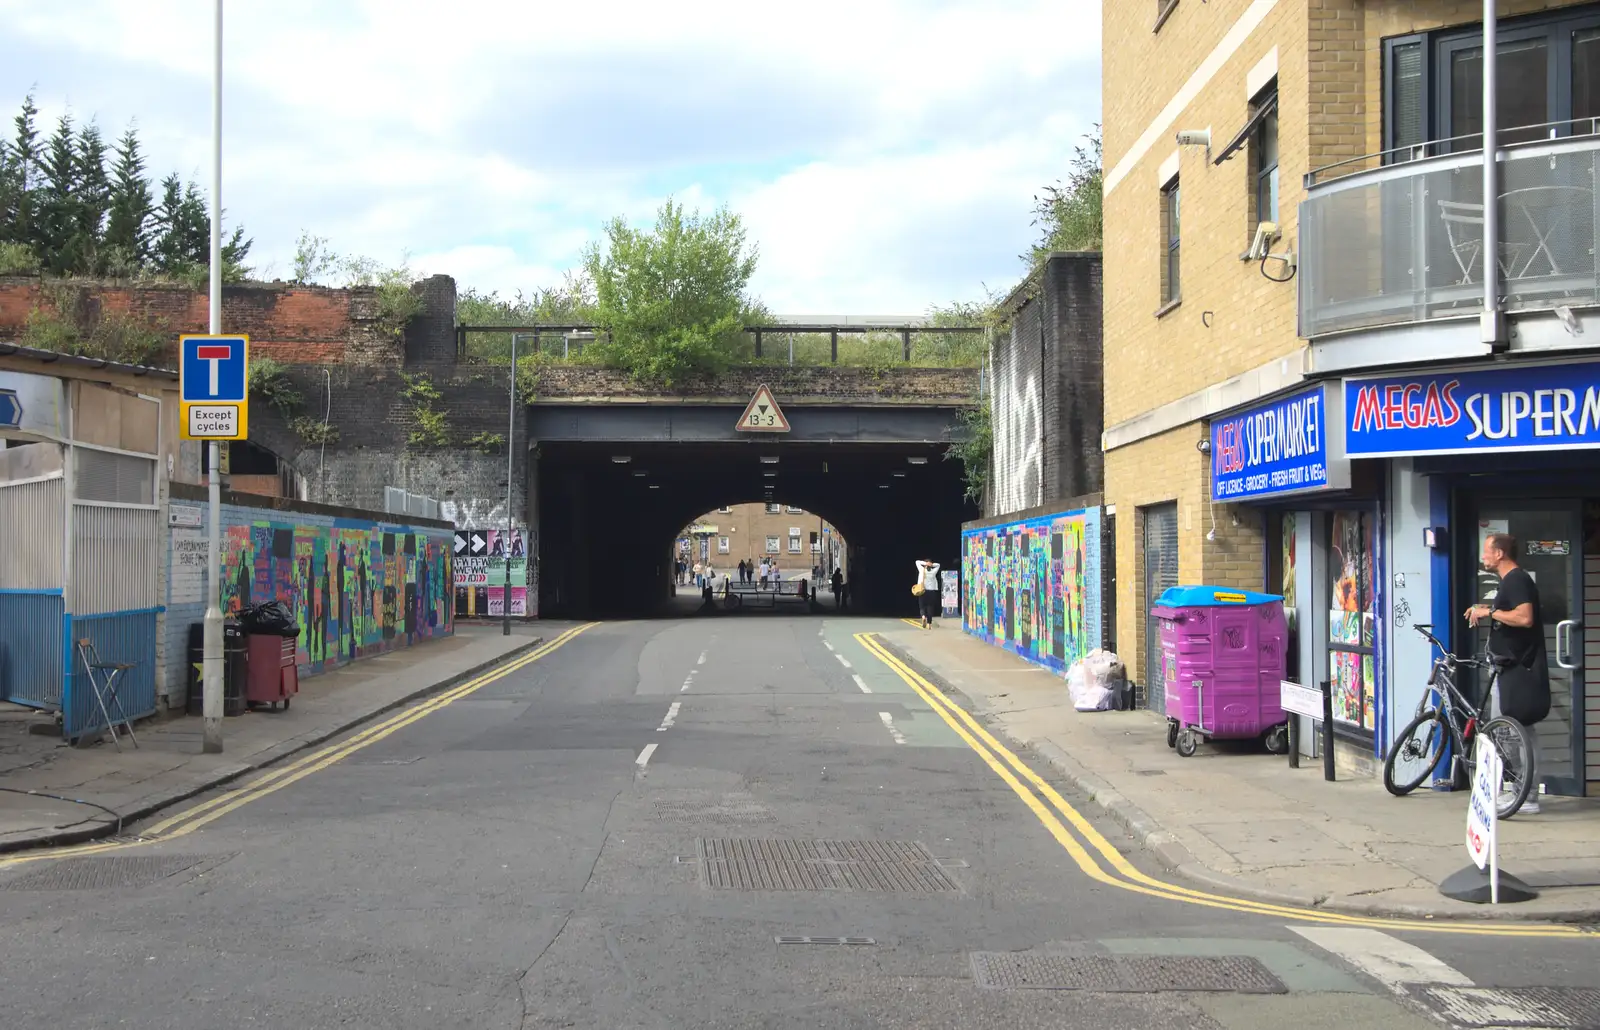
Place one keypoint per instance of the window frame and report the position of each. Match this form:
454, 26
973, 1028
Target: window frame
1171, 243
1557, 26
774, 508
723, 545
774, 545
794, 544
1260, 174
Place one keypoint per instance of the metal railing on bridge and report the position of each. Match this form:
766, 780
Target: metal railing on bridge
836, 343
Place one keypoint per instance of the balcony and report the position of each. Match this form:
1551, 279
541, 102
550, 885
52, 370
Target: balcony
1391, 261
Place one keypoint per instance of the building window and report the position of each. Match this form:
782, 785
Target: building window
772, 545
794, 545
796, 511
724, 511
1549, 75
774, 509
1352, 619
1264, 157
1170, 292
722, 545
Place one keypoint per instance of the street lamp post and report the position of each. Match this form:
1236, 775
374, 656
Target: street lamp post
511, 455
211, 699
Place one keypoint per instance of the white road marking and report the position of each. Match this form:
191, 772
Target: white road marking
827, 645
672, 717
644, 756
843, 660
1388, 960
702, 660
861, 683
1483, 1006
888, 721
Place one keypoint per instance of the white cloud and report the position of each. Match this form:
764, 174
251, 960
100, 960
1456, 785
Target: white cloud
883, 154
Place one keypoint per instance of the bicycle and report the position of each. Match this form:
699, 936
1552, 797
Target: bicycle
1459, 721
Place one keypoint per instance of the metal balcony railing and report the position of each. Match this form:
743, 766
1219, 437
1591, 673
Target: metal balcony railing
1402, 242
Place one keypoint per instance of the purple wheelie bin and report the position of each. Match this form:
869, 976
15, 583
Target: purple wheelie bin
1222, 653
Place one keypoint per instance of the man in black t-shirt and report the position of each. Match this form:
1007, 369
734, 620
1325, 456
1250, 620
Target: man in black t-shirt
1516, 634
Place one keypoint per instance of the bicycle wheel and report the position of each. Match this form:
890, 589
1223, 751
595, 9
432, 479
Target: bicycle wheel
1416, 753
1514, 741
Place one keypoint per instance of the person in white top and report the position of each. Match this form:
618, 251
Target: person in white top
928, 598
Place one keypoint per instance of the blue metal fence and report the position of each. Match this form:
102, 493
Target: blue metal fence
32, 647
127, 636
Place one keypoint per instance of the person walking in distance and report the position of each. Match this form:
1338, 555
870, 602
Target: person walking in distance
1516, 637
927, 591
838, 588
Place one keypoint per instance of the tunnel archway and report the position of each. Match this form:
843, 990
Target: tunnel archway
799, 540
609, 511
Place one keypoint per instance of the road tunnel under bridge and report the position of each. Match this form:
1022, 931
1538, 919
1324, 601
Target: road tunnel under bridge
612, 487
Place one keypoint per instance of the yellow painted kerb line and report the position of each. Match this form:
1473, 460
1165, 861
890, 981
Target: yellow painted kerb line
215, 808
1113, 868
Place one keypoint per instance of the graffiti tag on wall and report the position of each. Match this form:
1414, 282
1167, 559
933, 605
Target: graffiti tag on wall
356, 589
1033, 587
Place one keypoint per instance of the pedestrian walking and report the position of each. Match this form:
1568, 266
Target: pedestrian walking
766, 573
926, 589
838, 588
1516, 635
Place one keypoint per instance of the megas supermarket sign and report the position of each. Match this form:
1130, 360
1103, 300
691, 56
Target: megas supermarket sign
1279, 448
1513, 408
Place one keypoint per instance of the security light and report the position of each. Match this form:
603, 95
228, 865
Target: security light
640, 475
769, 475
620, 459
899, 475
655, 486
769, 459
917, 461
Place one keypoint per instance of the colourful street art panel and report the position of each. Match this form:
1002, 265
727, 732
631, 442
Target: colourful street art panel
356, 588
1033, 586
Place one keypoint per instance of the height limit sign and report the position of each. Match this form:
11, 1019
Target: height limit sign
214, 387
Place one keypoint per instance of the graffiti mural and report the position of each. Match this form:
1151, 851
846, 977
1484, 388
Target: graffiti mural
356, 589
1033, 586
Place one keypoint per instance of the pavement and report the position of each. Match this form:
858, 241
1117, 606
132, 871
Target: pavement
53, 793
1235, 818
717, 823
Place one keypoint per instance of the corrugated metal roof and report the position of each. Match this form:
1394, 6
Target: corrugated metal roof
79, 361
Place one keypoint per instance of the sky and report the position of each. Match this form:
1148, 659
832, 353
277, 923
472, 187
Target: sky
884, 154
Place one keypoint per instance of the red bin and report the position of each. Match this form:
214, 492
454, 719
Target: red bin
272, 676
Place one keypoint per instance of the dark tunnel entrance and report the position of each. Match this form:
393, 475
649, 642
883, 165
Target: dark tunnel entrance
610, 513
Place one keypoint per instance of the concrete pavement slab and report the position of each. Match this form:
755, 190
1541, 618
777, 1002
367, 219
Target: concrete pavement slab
1240, 820
53, 793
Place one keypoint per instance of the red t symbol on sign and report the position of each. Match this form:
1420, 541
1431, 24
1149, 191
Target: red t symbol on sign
213, 354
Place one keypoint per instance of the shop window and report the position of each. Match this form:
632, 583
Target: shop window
1352, 622
1282, 568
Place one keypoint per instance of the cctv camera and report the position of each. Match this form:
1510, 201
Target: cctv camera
1203, 446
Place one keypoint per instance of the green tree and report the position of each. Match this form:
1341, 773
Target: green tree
19, 176
57, 224
127, 239
93, 203
1068, 214
673, 297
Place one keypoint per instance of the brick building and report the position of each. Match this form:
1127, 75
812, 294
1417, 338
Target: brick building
1297, 331
793, 537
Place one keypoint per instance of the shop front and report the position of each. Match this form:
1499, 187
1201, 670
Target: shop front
1509, 449
1322, 521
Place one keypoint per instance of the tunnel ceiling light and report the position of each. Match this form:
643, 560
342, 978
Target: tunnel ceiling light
640, 475
769, 475
769, 459
897, 475
620, 459
655, 486
883, 486
917, 461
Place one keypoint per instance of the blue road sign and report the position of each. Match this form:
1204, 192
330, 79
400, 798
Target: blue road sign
10, 410
213, 369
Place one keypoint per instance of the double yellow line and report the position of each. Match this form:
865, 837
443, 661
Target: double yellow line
209, 811
1099, 859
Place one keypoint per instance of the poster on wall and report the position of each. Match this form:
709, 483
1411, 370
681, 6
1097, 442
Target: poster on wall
950, 592
1351, 623
1033, 586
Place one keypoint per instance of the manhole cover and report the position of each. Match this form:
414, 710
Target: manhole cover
1576, 1008
113, 872
1015, 970
756, 864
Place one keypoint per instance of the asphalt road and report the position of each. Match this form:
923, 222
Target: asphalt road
617, 834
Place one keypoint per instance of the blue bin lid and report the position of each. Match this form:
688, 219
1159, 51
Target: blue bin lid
1212, 597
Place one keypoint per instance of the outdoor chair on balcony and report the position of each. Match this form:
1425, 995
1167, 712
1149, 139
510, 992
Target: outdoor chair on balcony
1463, 227
105, 679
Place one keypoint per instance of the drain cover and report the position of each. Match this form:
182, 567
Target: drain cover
1013, 970
113, 872
771, 864
824, 940
1468, 1007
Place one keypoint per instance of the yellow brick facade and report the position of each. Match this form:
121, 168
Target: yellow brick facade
1231, 319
